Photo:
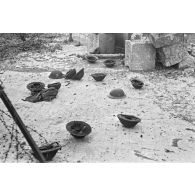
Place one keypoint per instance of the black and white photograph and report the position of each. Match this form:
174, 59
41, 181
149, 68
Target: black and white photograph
97, 97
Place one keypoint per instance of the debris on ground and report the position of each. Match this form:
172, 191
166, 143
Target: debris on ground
38, 95
55, 85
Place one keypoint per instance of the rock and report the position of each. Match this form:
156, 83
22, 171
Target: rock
188, 72
107, 43
187, 62
171, 55
139, 56
165, 39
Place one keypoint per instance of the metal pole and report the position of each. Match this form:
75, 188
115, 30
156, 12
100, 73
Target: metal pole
21, 125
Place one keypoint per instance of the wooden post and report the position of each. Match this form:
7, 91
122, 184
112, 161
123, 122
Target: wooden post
21, 125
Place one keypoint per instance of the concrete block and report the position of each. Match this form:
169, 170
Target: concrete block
171, 55
165, 39
139, 56
107, 43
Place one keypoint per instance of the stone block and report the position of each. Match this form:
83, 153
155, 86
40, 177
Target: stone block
171, 55
139, 56
107, 43
165, 39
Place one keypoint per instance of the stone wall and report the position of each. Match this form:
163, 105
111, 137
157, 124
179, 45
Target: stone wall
170, 47
107, 42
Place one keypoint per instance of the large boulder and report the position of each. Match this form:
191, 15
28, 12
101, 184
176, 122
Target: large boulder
171, 55
165, 39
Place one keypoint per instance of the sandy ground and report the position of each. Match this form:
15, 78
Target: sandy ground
165, 105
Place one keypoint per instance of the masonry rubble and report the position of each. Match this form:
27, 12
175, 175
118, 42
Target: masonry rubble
142, 51
171, 49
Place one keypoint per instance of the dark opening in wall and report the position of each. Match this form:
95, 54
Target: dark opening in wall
120, 41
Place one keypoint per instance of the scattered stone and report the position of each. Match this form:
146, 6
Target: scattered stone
188, 61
